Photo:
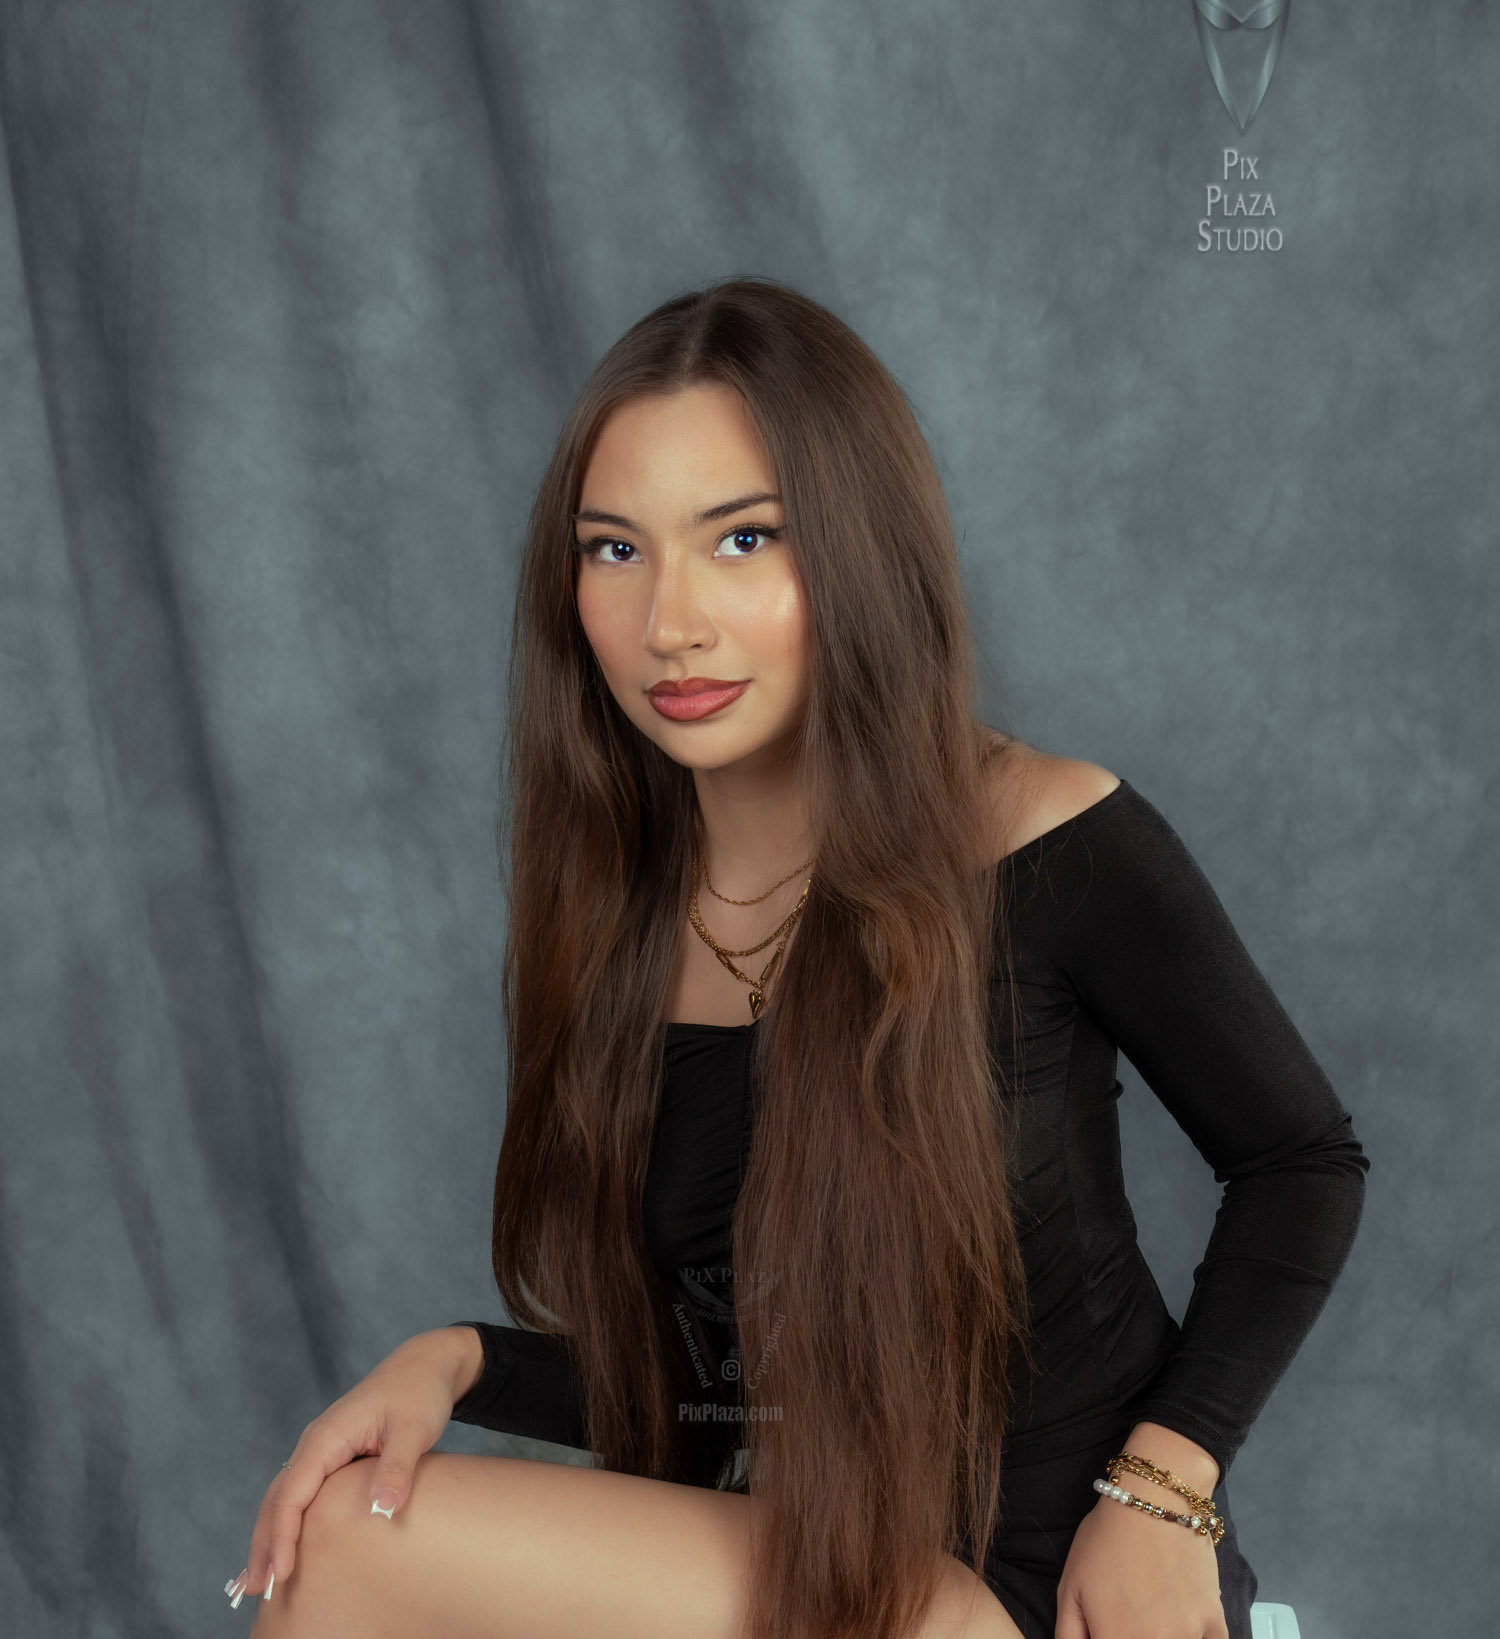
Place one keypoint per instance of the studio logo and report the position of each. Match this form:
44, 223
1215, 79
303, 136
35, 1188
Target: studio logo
1215, 15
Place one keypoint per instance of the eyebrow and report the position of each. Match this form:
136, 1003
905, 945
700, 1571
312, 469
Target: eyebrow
591, 515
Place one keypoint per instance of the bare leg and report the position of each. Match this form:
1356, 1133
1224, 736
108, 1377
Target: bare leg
503, 1548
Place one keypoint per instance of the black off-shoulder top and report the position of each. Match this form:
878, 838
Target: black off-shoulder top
1118, 944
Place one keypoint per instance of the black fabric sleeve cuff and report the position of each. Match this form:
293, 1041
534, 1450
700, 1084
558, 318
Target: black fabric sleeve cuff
528, 1386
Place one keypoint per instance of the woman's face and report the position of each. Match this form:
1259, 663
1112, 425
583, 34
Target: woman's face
685, 577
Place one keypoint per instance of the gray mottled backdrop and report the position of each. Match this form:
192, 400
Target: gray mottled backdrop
293, 297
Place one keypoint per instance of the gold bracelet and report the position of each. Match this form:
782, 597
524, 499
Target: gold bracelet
1147, 1470
1203, 1518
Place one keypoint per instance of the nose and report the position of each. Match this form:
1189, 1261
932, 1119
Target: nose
677, 619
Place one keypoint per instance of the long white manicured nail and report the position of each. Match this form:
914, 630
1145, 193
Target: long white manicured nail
271, 1584
234, 1604
390, 1509
229, 1587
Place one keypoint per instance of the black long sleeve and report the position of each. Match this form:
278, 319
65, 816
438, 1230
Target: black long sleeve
1124, 916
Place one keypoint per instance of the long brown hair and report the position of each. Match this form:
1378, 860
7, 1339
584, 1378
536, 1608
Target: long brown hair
876, 1208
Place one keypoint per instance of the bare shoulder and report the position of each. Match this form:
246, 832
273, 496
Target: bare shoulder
1031, 792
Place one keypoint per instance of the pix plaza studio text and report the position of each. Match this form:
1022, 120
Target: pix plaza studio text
1225, 200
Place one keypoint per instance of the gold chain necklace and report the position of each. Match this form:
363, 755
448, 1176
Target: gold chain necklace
784, 930
707, 883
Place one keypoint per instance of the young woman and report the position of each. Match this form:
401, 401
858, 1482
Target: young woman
809, 1200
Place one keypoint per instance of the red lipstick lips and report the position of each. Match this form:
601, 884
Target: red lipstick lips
687, 699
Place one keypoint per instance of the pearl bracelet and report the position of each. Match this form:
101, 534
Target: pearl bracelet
1194, 1522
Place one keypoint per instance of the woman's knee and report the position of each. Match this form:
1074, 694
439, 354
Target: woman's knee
340, 1560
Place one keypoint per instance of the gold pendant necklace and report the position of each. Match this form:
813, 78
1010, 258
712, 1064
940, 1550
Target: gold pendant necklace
783, 930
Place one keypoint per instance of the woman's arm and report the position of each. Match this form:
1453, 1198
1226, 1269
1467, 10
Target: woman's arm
1155, 961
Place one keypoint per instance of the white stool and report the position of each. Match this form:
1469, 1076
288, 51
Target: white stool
1273, 1622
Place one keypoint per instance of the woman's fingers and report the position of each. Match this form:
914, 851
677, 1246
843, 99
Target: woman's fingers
390, 1482
273, 1543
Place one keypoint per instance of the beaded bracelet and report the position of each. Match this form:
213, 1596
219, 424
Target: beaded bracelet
1202, 1519
1107, 1488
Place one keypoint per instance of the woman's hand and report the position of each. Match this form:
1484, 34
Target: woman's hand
397, 1412
1130, 1575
